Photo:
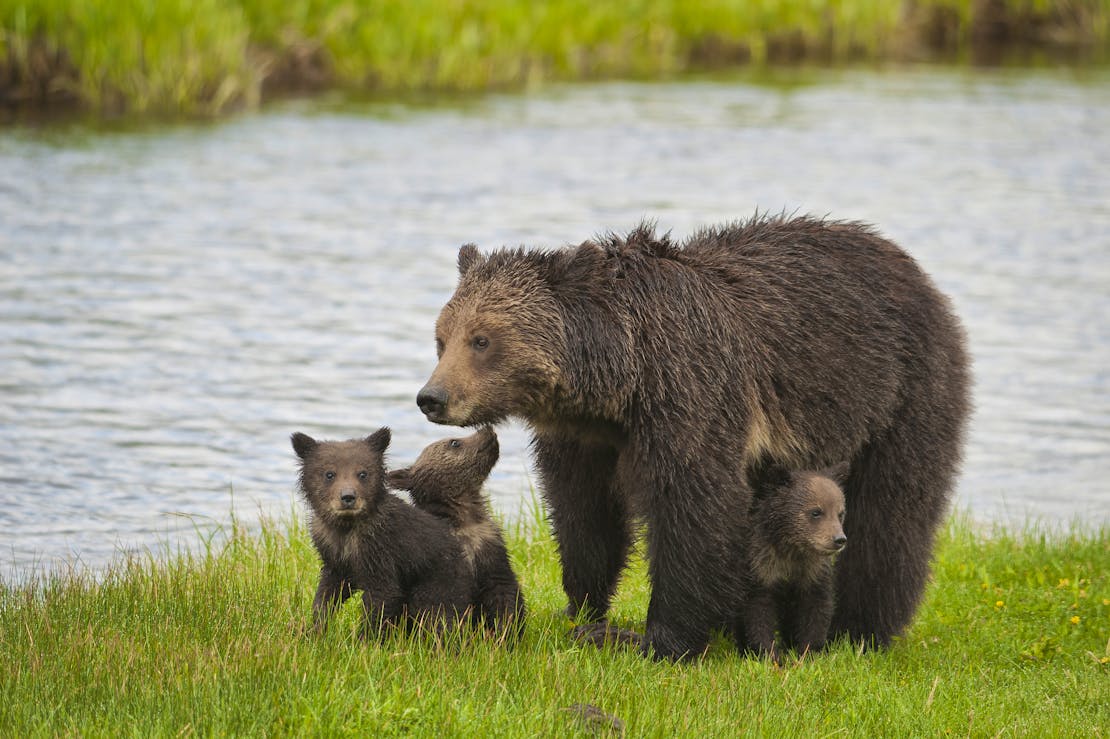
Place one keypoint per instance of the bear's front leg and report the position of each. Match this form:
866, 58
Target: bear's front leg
694, 557
589, 519
332, 592
383, 609
755, 631
501, 609
806, 615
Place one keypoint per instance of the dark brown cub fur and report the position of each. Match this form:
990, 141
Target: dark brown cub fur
797, 526
405, 561
446, 480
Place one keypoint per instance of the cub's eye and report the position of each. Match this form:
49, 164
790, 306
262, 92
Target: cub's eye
439, 347
455, 444
480, 343
329, 475
841, 516
815, 513
362, 475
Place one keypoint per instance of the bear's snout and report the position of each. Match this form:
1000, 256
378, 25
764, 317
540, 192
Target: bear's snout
840, 541
347, 498
432, 401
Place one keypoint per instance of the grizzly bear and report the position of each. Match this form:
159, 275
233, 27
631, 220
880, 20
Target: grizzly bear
446, 480
796, 527
653, 375
405, 561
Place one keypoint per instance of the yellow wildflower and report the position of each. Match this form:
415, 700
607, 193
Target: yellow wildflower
1064, 582
998, 604
1074, 619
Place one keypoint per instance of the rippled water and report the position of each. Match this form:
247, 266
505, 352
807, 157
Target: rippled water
175, 301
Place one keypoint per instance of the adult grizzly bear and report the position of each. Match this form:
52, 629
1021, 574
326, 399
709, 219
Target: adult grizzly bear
654, 375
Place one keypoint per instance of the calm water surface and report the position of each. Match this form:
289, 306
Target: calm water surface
174, 302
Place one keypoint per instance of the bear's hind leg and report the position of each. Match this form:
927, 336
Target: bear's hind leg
896, 497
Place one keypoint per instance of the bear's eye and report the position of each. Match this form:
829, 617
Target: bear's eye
841, 516
439, 347
329, 475
815, 513
362, 475
480, 343
455, 444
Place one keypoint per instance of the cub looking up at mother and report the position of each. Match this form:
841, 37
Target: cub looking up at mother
654, 375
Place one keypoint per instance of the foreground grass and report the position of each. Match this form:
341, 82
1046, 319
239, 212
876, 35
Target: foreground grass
205, 56
1012, 640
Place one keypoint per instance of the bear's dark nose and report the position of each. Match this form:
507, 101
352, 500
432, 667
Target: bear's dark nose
432, 400
840, 541
347, 498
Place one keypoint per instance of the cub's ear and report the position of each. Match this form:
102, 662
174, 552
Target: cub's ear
400, 479
379, 440
766, 477
303, 444
838, 472
468, 256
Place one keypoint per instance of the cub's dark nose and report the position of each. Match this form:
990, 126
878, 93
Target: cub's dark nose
347, 498
840, 541
432, 401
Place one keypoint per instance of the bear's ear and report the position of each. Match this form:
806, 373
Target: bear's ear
400, 479
766, 477
379, 440
838, 472
468, 255
303, 444
576, 264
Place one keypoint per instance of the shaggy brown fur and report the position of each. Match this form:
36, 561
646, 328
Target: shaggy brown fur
446, 480
797, 527
654, 375
405, 561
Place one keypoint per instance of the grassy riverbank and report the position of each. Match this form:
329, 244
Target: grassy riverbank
1012, 640
209, 56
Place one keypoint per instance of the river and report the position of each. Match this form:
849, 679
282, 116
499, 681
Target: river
176, 299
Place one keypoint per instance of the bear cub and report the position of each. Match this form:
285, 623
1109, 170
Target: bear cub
405, 561
446, 480
797, 523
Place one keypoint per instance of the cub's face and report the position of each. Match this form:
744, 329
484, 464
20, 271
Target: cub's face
449, 469
819, 513
496, 341
342, 481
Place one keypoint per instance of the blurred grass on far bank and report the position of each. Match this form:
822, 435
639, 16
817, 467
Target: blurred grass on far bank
205, 57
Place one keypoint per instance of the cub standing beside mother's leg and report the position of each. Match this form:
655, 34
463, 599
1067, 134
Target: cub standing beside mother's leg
654, 374
796, 528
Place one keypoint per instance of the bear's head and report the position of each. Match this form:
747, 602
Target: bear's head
820, 504
449, 470
343, 482
502, 337
803, 512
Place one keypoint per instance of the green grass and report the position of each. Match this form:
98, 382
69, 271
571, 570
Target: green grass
207, 56
1012, 640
